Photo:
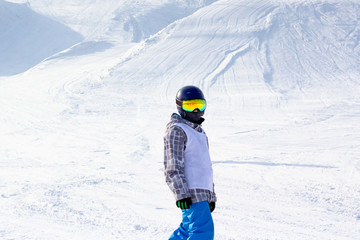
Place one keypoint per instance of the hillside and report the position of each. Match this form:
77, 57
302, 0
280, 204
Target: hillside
86, 89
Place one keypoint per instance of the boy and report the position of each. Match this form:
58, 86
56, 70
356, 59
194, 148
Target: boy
188, 170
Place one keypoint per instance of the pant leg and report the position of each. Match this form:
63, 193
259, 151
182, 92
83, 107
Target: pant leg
197, 223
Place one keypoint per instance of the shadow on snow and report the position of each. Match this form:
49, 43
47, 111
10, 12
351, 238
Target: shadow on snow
273, 164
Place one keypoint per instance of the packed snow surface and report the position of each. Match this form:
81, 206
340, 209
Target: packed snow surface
87, 87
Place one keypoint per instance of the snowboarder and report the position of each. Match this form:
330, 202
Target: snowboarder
187, 166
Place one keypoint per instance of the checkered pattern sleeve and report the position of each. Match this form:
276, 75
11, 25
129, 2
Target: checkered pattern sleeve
174, 146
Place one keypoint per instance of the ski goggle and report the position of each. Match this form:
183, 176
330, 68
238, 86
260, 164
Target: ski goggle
191, 105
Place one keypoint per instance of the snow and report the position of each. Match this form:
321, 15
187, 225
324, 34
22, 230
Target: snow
87, 87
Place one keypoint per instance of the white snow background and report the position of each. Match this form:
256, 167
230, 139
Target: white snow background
87, 87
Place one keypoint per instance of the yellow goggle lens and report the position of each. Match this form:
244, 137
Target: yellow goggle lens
191, 105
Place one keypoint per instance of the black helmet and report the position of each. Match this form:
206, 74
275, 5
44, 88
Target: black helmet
189, 93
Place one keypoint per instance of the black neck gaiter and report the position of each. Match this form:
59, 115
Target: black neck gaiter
195, 117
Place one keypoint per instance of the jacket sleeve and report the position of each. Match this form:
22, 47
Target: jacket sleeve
174, 146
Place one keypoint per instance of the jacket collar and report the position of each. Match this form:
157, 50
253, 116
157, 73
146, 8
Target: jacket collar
176, 118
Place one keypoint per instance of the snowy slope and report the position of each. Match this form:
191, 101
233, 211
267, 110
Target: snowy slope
28, 37
81, 131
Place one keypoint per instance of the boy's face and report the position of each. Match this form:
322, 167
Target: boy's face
194, 116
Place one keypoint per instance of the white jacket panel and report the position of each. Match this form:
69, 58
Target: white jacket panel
198, 168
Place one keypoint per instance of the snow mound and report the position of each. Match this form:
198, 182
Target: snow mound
255, 53
27, 38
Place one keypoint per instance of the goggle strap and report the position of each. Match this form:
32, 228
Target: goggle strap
179, 103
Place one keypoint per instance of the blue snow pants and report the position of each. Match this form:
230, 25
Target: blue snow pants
197, 223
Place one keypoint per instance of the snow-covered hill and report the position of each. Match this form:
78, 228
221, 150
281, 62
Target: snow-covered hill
86, 88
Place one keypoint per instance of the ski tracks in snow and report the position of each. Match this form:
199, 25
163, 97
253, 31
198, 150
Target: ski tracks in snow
224, 65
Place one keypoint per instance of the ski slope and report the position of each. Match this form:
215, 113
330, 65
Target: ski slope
87, 87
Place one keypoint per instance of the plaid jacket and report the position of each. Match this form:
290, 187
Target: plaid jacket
174, 146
